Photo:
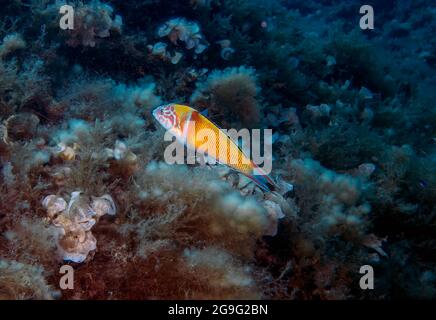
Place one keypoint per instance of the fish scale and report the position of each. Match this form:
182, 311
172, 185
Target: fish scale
220, 147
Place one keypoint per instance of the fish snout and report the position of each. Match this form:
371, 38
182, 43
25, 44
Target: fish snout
158, 114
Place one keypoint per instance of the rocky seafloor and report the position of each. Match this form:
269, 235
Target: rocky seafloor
84, 181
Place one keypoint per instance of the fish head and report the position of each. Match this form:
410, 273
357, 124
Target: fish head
172, 116
166, 115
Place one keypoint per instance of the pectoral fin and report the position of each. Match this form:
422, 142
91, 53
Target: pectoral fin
185, 122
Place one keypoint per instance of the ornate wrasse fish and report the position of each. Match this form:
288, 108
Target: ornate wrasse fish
198, 133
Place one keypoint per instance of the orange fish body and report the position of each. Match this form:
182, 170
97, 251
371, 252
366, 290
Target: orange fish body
200, 134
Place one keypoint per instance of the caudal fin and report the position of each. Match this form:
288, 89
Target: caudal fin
262, 180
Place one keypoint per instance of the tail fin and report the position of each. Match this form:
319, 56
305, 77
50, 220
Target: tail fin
262, 180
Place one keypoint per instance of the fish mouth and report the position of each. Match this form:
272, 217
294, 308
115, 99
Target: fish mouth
154, 112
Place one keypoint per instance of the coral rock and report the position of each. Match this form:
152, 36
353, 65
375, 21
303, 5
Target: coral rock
77, 249
75, 221
180, 29
54, 205
66, 152
93, 22
104, 205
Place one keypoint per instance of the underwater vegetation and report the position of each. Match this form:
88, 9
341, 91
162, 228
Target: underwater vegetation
83, 176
